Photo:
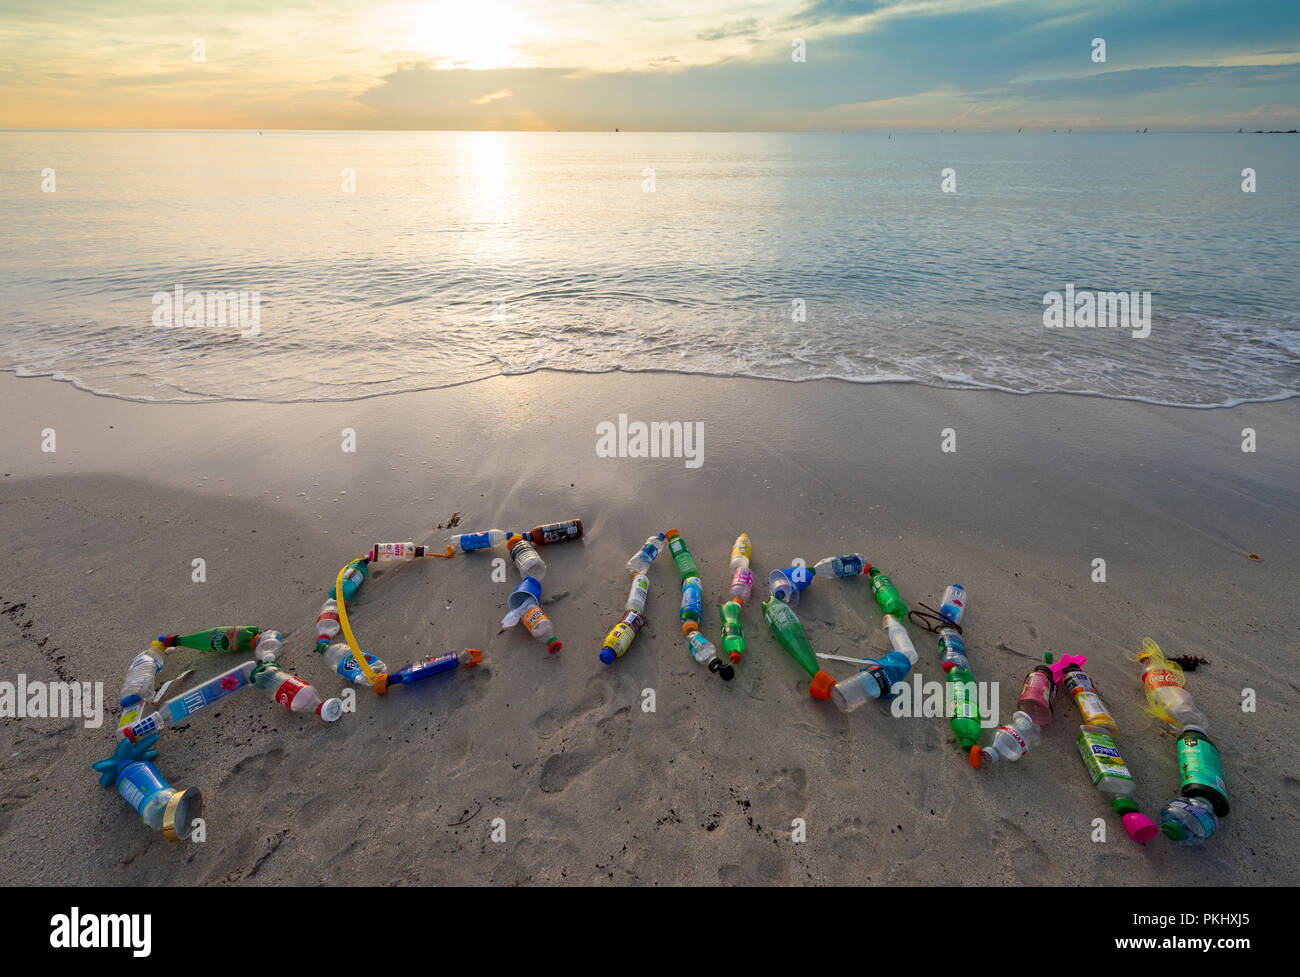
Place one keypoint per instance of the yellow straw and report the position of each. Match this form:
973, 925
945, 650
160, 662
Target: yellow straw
347, 629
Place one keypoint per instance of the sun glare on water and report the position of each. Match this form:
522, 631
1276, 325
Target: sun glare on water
467, 33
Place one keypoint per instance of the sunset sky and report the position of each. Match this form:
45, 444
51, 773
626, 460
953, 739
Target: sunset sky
672, 64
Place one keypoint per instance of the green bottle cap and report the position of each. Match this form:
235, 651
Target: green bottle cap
1124, 805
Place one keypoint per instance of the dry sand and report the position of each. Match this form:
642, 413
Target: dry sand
591, 788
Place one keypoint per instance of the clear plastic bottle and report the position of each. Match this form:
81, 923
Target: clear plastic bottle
267, 646
899, 639
953, 604
138, 684
469, 542
636, 597
952, 650
525, 557
704, 652
875, 681
641, 561
692, 604
742, 585
296, 695
1188, 820
540, 627
1166, 696
840, 566
1010, 742
339, 657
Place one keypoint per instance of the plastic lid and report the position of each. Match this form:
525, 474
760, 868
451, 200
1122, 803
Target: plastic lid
477, 657
688, 627
554, 645
821, 685
735, 657
672, 532
182, 808
607, 656
976, 756
381, 683
1140, 827
727, 673
1059, 667
330, 709
1172, 831
1124, 805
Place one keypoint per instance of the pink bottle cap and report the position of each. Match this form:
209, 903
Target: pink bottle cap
1140, 827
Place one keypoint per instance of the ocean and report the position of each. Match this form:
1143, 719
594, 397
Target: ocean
374, 262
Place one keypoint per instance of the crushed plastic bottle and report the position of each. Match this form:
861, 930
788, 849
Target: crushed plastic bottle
1167, 696
1010, 742
641, 560
840, 566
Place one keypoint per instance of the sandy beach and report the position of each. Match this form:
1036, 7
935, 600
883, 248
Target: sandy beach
590, 787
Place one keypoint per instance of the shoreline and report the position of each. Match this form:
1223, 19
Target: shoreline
593, 789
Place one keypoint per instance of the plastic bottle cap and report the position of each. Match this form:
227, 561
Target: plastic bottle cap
330, 710
553, 646
1140, 827
821, 685
607, 656
735, 657
477, 657
976, 756
689, 627
1124, 805
727, 673
381, 683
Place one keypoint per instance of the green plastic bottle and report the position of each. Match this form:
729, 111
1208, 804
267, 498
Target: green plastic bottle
789, 632
681, 556
886, 594
733, 635
353, 578
963, 707
218, 639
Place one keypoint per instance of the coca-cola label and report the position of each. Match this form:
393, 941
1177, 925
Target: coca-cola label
1159, 678
288, 691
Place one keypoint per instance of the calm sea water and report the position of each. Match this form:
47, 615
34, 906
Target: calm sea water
460, 256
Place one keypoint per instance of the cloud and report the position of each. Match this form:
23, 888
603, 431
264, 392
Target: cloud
500, 93
737, 28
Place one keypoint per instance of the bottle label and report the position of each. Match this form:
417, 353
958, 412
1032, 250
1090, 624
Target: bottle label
846, 566
555, 532
1199, 764
533, 617
961, 700
1020, 740
1101, 757
1159, 678
637, 595
288, 691
1093, 710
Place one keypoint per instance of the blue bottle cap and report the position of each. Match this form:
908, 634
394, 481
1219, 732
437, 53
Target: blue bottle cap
607, 656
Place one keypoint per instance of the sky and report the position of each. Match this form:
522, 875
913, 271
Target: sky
874, 65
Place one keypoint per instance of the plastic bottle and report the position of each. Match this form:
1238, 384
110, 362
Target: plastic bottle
785, 626
327, 621
1010, 742
469, 542
1069, 674
875, 681
1167, 698
1188, 821
295, 694
641, 561
555, 532
692, 604
840, 566
525, 557
353, 578
742, 585
636, 597
733, 632
952, 650
339, 657
1202, 769
963, 706
131, 770
215, 639
1105, 766
267, 646
953, 604
395, 552
468, 658
704, 652
178, 709
742, 551
899, 639
138, 684
886, 593
540, 627
686, 567
1038, 695
621, 636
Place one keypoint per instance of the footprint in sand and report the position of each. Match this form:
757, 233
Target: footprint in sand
612, 734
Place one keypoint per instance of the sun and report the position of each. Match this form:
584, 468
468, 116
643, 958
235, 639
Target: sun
474, 34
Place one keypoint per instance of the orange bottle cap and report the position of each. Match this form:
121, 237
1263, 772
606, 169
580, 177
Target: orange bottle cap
821, 685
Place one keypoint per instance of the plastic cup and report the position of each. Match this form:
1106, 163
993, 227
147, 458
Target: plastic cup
529, 591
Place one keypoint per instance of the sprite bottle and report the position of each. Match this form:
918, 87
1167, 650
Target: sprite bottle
789, 632
886, 594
